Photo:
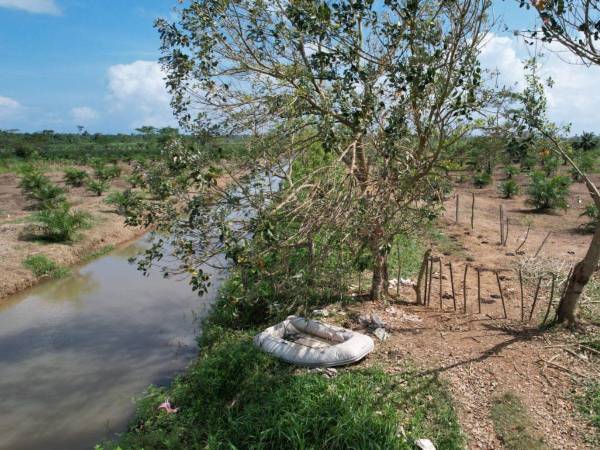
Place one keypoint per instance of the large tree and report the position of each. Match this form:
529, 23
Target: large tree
576, 26
384, 89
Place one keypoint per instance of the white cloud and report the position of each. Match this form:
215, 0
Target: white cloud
575, 94
33, 6
83, 114
10, 108
138, 89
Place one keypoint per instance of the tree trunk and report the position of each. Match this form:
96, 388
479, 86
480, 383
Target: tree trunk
380, 280
582, 273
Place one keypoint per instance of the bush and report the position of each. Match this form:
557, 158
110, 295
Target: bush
48, 196
32, 179
158, 184
42, 266
61, 224
25, 151
591, 212
135, 180
481, 179
127, 202
75, 177
550, 164
106, 173
509, 188
548, 192
511, 171
586, 164
97, 187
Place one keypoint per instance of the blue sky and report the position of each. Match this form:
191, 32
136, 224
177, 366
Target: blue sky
65, 63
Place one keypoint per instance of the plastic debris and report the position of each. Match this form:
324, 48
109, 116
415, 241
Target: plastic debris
425, 444
167, 407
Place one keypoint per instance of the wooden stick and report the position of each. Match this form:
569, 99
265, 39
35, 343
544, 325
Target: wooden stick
398, 279
537, 290
456, 213
426, 281
524, 240
551, 298
542, 244
501, 224
506, 234
359, 283
465, 289
501, 295
522, 297
478, 291
430, 281
452, 284
422, 270
472, 210
441, 305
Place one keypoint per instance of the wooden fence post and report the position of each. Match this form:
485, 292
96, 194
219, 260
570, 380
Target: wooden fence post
551, 298
535, 297
478, 290
452, 284
441, 293
472, 210
465, 289
501, 295
522, 298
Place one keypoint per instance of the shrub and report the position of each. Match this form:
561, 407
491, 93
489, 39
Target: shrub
106, 173
509, 188
550, 164
42, 266
25, 151
135, 180
47, 196
591, 212
127, 202
511, 171
586, 164
548, 192
32, 179
75, 177
61, 224
158, 185
97, 187
481, 179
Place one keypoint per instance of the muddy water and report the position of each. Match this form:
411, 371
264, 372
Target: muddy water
74, 352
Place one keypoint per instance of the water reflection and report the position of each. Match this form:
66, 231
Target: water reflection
74, 352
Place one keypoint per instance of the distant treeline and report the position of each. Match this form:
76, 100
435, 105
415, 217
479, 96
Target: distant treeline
84, 147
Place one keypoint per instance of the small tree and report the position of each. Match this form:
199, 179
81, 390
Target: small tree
61, 224
97, 187
509, 188
75, 177
548, 193
379, 91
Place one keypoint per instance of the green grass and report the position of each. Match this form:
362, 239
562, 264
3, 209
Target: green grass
513, 425
589, 406
100, 252
42, 266
235, 396
408, 252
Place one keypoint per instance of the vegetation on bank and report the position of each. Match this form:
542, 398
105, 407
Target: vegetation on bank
234, 396
42, 266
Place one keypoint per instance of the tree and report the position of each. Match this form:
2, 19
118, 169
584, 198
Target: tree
382, 89
576, 26
573, 24
586, 142
531, 118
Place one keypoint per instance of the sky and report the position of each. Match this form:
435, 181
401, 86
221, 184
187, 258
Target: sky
65, 63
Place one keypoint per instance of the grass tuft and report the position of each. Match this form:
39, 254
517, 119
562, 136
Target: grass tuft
42, 266
513, 425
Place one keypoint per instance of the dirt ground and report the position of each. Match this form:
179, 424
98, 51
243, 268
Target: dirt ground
482, 355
